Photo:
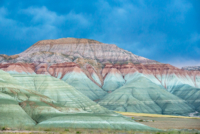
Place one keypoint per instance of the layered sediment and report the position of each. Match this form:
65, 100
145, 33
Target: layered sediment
40, 100
99, 70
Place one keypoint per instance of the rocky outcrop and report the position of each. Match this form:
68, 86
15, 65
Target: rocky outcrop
191, 68
8, 59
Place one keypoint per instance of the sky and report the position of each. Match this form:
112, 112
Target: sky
167, 31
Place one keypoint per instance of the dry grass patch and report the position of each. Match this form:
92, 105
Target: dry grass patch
154, 115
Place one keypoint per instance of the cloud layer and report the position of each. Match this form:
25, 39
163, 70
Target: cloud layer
166, 31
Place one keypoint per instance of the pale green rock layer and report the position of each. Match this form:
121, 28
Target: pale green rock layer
37, 106
96, 78
143, 96
11, 114
15, 72
113, 81
188, 93
63, 106
83, 84
182, 87
7, 80
95, 121
61, 92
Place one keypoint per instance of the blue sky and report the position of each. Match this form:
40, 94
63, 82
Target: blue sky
164, 30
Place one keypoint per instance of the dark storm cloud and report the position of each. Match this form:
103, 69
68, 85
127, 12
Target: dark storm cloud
166, 31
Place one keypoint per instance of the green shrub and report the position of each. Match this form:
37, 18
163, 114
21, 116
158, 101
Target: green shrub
3, 128
47, 130
66, 129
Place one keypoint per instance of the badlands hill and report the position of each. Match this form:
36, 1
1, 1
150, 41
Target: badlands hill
68, 49
45, 102
88, 78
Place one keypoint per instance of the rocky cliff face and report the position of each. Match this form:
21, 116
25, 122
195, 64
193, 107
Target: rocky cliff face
101, 71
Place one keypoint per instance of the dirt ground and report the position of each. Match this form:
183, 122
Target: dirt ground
169, 123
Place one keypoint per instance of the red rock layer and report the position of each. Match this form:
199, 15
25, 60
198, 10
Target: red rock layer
127, 68
109, 68
124, 69
155, 69
106, 69
64, 68
166, 69
42, 68
152, 69
90, 69
18, 67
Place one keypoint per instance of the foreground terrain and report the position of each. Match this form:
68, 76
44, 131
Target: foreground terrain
165, 122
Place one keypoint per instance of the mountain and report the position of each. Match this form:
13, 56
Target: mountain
194, 68
68, 49
108, 74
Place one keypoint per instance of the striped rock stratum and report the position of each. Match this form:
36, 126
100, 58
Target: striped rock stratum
107, 74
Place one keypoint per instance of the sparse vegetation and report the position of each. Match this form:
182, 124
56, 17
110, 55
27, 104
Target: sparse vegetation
47, 130
3, 128
66, 129
78, 132
93, 131
140, 120
96, 131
